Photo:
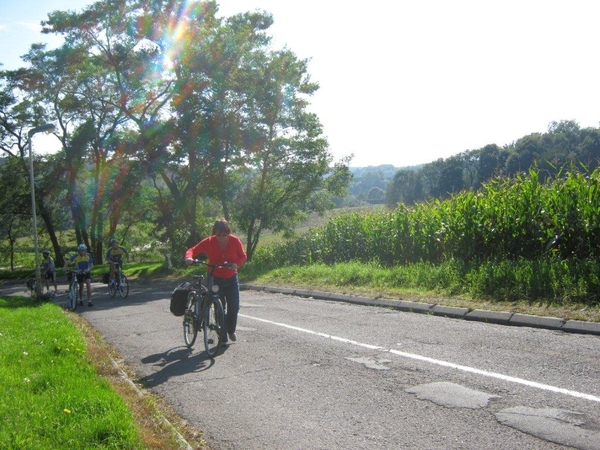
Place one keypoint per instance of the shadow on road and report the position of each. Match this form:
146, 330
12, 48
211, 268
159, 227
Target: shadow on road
176, 362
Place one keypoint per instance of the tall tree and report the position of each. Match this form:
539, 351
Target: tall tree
112, 87
526, 152
406, 187
430, 178
291, 164
490, 163
214, 86
21, 111
451, 176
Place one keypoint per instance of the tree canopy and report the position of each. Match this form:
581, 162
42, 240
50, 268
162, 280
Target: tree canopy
171, 115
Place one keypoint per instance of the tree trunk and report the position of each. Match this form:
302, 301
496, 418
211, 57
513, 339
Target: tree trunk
47, 218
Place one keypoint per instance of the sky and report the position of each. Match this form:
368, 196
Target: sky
407, 82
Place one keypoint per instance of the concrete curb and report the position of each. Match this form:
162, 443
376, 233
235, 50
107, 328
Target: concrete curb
495, 317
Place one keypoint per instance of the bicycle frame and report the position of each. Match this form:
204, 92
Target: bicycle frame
73, 292
121, 284
197, 298
205, 310
118, 270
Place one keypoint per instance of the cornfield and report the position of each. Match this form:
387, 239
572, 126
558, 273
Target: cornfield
515, 237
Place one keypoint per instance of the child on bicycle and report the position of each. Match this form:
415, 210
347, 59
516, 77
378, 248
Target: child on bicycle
84, 262
114, 255
49, 269
223, 248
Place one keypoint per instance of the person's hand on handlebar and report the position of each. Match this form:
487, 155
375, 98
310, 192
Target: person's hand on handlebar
232, 266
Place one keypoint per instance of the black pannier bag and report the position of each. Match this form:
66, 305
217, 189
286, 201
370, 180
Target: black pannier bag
179, 298
105, 277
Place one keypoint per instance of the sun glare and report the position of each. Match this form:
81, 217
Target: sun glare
179, 31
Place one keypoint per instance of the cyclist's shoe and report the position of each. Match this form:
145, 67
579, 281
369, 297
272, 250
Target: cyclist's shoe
90, 304
80, 303
233, 337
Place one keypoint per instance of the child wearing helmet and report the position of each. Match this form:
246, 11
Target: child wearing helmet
49, 270
84, 262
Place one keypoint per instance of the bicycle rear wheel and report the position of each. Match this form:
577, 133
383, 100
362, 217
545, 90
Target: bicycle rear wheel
73, 295
214, 325
123, 286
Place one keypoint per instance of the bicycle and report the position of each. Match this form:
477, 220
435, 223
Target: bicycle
204, 309
119, 283
44, 296
73, 292
31, 285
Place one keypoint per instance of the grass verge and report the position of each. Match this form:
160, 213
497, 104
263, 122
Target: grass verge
61, 388
413, 283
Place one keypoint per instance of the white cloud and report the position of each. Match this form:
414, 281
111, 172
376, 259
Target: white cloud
34, 27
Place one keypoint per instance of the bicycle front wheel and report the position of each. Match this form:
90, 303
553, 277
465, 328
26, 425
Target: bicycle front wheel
190, 327
123, 286
214, 325
112, 287
73, 296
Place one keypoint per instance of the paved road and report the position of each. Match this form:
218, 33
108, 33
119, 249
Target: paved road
316, 374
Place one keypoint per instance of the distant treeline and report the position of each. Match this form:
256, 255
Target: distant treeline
564, 144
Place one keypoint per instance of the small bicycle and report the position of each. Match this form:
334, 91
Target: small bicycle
120, 283
73, 292
32, 286
204, 309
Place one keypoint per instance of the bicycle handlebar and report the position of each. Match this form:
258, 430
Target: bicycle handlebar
225, 265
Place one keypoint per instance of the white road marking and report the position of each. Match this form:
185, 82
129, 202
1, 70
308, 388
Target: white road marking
438, 362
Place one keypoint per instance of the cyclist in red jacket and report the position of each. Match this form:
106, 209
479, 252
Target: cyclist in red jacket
223, 248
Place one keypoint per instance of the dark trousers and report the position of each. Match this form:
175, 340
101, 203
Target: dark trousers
229, 291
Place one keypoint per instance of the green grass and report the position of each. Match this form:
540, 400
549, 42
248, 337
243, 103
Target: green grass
441, 284
50, 395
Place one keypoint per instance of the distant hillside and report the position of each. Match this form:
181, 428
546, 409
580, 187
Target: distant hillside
369, 183
386, 169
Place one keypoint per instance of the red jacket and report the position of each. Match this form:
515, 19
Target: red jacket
233, 254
